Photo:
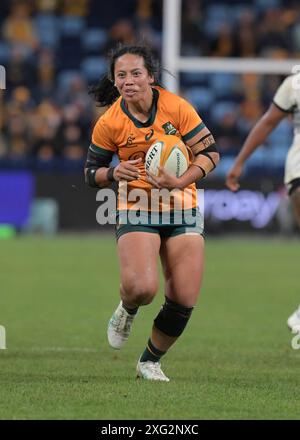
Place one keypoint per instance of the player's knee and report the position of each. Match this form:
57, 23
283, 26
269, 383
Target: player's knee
172, 318
141, 294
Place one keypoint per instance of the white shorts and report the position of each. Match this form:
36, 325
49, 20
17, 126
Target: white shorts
292, 165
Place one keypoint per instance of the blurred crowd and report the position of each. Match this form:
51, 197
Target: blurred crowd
53, 49
239, 28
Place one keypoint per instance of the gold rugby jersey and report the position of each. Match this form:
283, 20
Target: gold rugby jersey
119, 132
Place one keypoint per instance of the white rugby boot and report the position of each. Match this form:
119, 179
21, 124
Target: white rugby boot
294, 320
119, 327
150, 371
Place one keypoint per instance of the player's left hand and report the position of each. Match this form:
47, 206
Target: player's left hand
164, 179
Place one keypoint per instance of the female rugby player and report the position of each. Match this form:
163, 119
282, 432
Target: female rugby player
141, 112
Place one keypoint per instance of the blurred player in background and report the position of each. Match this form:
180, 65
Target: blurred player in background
139, 113
286, 102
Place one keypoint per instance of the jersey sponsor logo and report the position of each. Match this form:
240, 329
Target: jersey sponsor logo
149, 135
169, 128
152, 154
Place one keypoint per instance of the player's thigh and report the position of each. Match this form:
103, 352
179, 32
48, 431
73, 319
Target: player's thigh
182, 259
138, 256
295, 199
292, 178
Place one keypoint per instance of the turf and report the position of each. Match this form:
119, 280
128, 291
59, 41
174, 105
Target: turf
234, 361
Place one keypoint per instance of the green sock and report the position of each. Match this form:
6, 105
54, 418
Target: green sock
151, 353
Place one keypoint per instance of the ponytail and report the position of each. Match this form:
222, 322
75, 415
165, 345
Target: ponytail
104, 93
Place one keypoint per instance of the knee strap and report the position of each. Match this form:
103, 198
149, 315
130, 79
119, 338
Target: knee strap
172, 318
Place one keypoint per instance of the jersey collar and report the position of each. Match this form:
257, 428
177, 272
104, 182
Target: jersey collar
153, 111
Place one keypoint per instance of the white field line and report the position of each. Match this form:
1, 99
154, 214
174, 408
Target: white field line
55, 349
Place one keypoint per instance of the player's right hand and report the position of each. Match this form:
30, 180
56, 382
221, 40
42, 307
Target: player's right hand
233, 177
127, 170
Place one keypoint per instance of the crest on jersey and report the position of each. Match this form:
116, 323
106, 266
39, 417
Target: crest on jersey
169, 128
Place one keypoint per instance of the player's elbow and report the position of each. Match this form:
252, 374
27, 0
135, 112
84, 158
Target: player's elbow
213, 154
268, 122
272, 117
216, 157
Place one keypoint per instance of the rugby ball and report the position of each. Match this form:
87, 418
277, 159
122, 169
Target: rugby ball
168, 152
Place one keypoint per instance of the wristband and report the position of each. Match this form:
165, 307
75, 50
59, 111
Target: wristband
110, 174
90, 177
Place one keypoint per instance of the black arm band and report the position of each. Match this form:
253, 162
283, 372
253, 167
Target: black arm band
203, 171
95, 159
110, 174
211, 149
90, 177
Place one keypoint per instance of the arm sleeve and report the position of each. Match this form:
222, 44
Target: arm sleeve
190, 123
101, 149
285, 97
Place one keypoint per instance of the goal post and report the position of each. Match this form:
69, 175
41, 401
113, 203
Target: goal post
173, 62
171, 43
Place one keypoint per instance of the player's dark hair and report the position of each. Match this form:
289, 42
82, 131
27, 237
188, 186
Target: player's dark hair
105, 92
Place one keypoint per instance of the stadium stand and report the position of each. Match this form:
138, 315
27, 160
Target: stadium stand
53, 49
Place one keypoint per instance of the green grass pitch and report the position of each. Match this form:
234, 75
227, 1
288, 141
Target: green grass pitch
234, 361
